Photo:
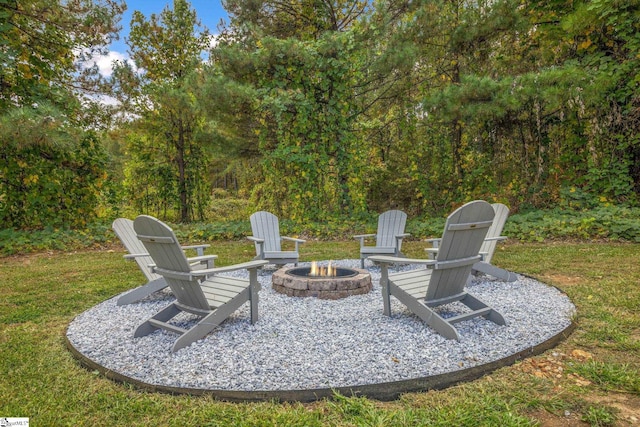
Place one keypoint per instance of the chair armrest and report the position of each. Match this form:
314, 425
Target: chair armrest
183, 275
362, 238
242, 266
438, 265
199, 248
397, 260
435, 241
260, 245
202, 258
497, 238
399, 238
134, 256
431, 252
291, 239
207, 260
193, 261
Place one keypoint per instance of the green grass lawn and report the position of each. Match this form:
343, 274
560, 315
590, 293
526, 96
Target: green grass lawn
593, 378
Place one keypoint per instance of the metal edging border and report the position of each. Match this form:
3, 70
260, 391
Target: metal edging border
385, 391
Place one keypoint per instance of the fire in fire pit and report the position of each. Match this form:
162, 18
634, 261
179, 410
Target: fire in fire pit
320, 271
326, 282
329, 270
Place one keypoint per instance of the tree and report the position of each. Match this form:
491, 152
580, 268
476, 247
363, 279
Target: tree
167, 53
44, 44
302, 63
51, 167
444, 101
51, 174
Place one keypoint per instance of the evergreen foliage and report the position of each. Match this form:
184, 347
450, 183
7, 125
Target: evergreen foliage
321, 111
52, 169
168, 163
51, 173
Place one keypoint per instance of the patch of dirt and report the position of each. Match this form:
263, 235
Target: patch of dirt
561, 279
552, 366
628, 407
547, 419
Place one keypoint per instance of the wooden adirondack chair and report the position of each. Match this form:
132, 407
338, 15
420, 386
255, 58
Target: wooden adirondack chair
443, 280
123, 227
388, 237
266, 236
488, 246
204, 293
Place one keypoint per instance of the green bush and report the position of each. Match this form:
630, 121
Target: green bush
606, 222
52, 174
18, 241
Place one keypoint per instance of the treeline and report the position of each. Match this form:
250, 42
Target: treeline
318, 110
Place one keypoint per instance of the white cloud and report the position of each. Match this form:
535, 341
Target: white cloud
105, 62
213, 40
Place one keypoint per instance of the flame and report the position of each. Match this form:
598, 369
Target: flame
322, 271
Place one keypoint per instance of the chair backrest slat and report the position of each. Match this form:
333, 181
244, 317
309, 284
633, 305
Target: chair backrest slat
123, 227
489, 246
264, 225
463, 235
390, 224
162, 244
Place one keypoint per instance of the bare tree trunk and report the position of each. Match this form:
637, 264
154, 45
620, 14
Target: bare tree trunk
182, 179
456, 130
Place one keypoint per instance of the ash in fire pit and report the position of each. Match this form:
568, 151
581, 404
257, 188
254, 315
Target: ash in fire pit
321, 282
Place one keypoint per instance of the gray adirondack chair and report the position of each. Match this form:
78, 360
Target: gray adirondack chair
388, 237
443, 279
204, 293
123, 227
488, 246
266, 237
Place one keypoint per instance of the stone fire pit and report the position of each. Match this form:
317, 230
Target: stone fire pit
297, 282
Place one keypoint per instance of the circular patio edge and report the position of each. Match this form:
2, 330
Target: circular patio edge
385, 391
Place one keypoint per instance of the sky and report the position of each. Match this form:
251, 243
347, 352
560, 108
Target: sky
209, 12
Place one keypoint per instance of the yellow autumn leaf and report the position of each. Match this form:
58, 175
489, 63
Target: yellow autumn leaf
31, 179
585, 44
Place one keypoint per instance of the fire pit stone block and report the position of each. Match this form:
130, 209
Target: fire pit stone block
323, 288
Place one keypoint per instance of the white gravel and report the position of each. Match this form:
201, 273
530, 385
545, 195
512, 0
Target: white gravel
308, 343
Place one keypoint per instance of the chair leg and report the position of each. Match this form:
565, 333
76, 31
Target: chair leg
494, 271
253, 294
386, 294
475, 303
163, 315
430, 317
143, 291
210, 321
204, 326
